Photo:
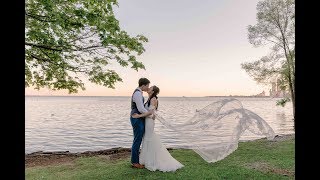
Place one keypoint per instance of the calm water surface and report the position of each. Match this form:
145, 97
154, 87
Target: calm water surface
78, 124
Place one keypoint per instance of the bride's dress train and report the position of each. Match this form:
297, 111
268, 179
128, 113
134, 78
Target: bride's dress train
153, 154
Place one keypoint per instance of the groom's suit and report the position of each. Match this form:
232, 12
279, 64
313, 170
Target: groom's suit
137, 101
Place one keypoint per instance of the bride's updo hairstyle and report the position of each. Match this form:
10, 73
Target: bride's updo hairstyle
156, 91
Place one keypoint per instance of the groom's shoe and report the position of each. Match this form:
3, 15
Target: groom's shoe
136, 165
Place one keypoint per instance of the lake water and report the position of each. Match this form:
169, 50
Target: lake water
78, 124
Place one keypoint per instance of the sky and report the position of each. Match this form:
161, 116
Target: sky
195, 48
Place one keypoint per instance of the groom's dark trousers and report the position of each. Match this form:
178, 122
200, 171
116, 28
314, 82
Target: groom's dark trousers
138, 131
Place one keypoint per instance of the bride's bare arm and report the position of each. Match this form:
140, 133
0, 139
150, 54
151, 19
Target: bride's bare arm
154, 102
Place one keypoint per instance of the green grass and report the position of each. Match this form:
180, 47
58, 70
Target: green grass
260, 159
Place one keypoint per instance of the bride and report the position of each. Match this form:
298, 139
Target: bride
154, 156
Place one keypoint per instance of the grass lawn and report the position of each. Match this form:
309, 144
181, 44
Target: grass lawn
259, 159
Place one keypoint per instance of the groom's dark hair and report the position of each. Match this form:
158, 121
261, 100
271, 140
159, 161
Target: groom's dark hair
143, 81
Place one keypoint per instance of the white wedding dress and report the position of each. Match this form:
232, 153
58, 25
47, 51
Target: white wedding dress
153, 154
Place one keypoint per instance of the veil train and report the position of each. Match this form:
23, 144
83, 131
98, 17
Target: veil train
214, 131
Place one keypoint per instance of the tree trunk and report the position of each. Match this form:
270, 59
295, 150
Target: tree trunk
293, 103
289, 77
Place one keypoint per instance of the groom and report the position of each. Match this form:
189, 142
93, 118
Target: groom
137, 106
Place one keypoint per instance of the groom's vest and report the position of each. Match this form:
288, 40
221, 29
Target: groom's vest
134, 108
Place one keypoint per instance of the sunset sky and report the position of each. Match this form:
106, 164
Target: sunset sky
195, 48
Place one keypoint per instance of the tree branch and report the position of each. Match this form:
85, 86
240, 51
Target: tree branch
42, 46
38, 17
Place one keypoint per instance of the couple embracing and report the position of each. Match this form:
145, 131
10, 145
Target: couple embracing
153, 155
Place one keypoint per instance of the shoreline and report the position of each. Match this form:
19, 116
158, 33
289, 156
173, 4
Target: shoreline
118, 149
41, 158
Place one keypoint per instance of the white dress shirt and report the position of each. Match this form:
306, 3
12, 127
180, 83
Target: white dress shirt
137, 98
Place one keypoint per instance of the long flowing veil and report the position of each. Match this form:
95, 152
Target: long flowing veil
214, 131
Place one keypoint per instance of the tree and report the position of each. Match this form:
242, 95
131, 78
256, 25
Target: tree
67, 39
275, 26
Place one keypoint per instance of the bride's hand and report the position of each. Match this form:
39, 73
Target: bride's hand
135, 115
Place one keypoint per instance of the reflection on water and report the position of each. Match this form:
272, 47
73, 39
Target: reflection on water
282, 118
93, 123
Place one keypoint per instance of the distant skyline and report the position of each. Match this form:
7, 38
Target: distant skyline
194, 49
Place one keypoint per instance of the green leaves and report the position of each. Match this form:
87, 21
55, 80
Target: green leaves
135, 64
106, 78
282, 102
76, 36
264, 69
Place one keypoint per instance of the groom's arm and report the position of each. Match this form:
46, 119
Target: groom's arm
135, 115
154, 102
137, 98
